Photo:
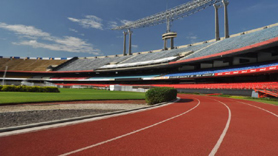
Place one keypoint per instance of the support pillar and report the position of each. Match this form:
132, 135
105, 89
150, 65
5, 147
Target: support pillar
172, 42
130, 35
165, 44
124, 51
226, 23
217, 36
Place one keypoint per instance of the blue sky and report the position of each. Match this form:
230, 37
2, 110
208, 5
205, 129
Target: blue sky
67, 28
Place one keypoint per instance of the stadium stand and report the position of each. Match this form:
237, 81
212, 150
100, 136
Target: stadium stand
18, 64
182, 67
243, 40
243, 86
181, 53
163, 54
208, 73
128, 61
91, 63
223, 71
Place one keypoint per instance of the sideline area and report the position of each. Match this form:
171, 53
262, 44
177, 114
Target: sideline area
68, 95
195, 125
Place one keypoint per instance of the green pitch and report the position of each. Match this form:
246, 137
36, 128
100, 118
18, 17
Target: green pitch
68, 95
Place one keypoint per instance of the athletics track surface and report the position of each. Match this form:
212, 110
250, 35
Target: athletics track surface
196, 125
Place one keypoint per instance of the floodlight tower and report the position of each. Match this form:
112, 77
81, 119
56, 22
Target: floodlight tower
124, 51
129, 48
217, 36
226, 23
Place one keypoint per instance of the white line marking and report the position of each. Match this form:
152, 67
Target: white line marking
220, 140
127, 134
34, 129
258, 108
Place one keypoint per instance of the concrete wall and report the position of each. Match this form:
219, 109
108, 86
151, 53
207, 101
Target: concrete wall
222, 91
265, 56
206, 65
219, 63
237, 60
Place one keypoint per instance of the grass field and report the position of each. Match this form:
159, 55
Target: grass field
68, 95
273, 101
263, 100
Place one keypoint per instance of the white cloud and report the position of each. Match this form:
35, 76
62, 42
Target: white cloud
67, 43
25, 31
90, 21
134, 46
192, 38
112, 24
73, 30
126, 22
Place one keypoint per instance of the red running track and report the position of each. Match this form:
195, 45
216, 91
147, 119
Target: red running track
196, 125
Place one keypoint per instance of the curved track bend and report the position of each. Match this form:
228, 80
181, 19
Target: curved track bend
196, 125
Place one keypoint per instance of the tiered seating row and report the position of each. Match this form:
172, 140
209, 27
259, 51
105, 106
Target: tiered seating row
91, 64
222, 72
201, 50
237, 42
128, 61
103, 78
167, 59
163, 54
231, 71
255, 85
249, 85
27, 64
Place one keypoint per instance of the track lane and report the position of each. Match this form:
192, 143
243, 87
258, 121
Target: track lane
195, 133
61, 140
268, 107
252, 131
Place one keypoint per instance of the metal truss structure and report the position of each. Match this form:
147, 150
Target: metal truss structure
170, 15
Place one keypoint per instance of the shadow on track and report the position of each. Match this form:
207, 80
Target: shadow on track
185, 100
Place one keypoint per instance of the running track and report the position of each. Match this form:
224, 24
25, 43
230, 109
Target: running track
196, 125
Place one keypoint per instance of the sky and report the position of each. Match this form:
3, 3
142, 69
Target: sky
68, 28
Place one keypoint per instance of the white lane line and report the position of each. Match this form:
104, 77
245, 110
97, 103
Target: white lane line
133, 132
34, 129
222, 136
258, 108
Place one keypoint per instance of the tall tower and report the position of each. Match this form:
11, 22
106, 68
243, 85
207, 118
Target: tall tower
226, 23
124, 51
129, 48
217, 36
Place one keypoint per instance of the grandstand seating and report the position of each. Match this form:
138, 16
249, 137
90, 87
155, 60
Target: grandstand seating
163, 54
222, 70
163, 60
125, 61
112, 78
199, 50
17, 64
236, 42
91, 63
253, 85
184, 75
